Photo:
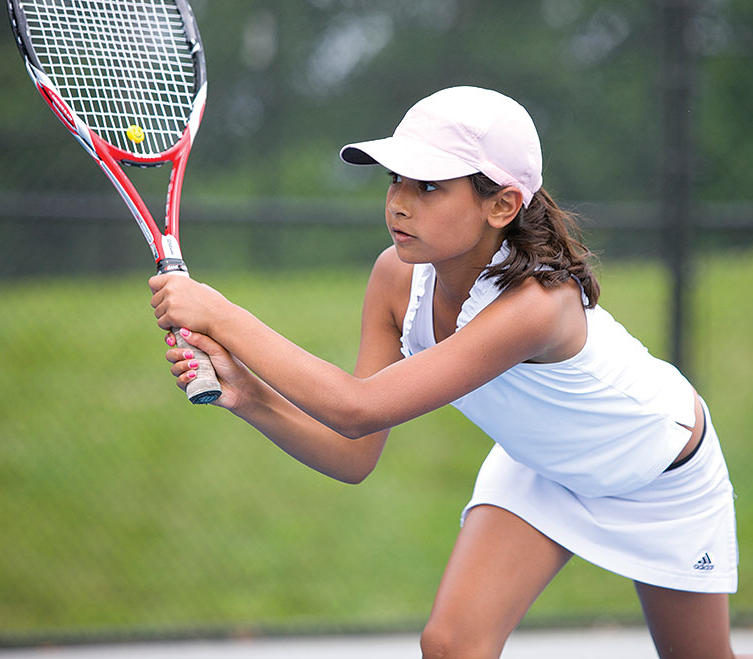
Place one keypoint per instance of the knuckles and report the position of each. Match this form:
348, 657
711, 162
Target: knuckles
174, 355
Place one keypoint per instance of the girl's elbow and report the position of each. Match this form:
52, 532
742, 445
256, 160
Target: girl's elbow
355, 427
358, 471
355, 477
352, 430
357, 420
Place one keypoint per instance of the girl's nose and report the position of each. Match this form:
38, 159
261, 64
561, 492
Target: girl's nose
398, 204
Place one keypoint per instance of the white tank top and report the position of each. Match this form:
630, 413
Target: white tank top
604, 422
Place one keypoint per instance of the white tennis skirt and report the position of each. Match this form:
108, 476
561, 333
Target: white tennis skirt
677, 532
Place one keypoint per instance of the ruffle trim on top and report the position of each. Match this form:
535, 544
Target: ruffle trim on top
421, 274
483, 292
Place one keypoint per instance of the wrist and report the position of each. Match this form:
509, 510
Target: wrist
250, 399
217, 318
229, 325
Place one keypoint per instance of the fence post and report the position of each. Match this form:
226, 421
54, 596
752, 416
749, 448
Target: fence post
676, 82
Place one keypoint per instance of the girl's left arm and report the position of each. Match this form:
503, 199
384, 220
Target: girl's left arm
520, 324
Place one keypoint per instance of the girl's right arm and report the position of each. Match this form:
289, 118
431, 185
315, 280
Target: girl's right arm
291, 429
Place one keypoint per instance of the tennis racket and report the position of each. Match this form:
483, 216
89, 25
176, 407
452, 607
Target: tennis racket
128, 79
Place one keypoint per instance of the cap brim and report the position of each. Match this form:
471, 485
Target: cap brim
407, 157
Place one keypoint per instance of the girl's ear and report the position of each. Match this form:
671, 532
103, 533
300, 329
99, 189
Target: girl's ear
505, 207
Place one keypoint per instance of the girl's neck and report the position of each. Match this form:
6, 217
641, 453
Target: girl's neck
454, 279
452, 287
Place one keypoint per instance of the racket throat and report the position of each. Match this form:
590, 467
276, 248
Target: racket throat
171, 265
170, 259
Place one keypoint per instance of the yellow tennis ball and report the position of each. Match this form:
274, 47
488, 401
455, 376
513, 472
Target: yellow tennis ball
135, 134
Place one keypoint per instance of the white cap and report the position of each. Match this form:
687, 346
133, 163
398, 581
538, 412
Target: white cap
457, 132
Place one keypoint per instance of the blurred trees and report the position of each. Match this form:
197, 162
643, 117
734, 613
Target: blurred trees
290, 82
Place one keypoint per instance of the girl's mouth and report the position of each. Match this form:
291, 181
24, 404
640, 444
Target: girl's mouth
400, 236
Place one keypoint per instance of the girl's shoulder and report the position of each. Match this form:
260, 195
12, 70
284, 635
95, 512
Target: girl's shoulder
390, 271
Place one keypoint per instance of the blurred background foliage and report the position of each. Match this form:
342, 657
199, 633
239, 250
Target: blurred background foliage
292, 81
126, 513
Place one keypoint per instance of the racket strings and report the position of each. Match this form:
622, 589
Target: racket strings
118, 64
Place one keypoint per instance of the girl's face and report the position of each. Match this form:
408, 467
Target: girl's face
439, 222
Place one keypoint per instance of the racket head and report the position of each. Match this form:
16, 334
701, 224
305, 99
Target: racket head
128, 80
132, 71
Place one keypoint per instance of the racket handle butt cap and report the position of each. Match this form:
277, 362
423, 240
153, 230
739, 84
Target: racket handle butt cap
205, 397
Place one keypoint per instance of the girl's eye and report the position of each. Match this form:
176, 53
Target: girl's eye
424, 186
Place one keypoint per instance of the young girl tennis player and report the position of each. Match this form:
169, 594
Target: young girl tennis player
486, 301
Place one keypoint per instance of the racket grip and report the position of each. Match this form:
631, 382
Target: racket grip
204, 388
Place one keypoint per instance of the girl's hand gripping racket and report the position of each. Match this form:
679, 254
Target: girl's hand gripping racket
128, 79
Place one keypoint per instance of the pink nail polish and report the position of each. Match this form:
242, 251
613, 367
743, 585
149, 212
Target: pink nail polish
193, 364
191, 375
170, 340
188, 354
184, 332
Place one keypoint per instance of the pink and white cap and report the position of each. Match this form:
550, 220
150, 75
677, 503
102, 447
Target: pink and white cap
457, 132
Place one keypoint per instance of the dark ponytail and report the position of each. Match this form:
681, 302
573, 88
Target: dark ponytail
544, 242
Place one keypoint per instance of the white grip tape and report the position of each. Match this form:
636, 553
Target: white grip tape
204, 388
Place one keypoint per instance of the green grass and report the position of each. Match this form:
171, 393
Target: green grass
123, 507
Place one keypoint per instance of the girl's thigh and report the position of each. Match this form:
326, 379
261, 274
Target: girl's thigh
685, 624
498, 567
